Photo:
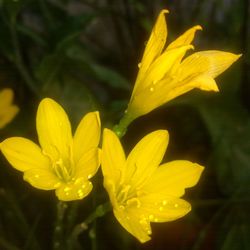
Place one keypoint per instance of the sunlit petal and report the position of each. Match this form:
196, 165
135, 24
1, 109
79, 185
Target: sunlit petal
54, 130
163, 208
154, 45
42, 178
76, 190
184, 39
173, 177
24, 154
138, 228
210, 62
113, 157
87, 135
88, 164
146, 156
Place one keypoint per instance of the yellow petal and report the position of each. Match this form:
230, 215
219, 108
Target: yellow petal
134, 225
23, 154
184, 39
161, 67
163, 208
6, 98
211, 63
7, 114
76, 190
146, 157
113, 157
172, 178
204, 82
87, 135
54, 130
154, 46
42, 178
89, 163
165, 63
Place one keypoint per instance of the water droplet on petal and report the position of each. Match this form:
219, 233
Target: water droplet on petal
37, 176
156, 220
80, 193
176, 205
161, 208
57, 185
66, 189
89, 176
151, 89
164, 202
155, 81
151, 216
139, 65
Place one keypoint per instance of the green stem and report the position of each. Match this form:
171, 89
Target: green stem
58, 227
46, 13
100, 211
121, 128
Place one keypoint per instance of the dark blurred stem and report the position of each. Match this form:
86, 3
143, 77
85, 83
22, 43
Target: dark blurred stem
7, 245
18, 60
93, 230
100, 211
46, 13
58, 241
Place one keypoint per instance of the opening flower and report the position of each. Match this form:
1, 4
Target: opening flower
164, 75
7, 109
63, 162
140, 190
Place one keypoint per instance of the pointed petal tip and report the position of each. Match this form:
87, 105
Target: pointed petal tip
164, 11
238, 56
200, 167
46, 100
198, 27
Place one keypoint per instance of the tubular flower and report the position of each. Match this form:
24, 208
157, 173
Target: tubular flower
140, 190
63, 162
164, 74
7, 110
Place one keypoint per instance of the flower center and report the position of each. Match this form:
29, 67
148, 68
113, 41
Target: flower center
125, 197
62, 170
62, 166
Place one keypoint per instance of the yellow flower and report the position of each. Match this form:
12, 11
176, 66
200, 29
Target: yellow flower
63, 162
164, 75
7, 110
140, 190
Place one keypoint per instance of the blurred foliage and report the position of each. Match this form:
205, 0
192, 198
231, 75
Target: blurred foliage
84, 53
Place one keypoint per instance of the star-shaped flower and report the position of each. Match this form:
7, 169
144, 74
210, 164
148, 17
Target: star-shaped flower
63, 162
140, 190
164, 74
7, 109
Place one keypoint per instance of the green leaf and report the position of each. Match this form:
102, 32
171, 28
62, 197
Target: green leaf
109, 76
235, 229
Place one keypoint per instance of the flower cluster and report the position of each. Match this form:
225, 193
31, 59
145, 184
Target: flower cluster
140, 188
